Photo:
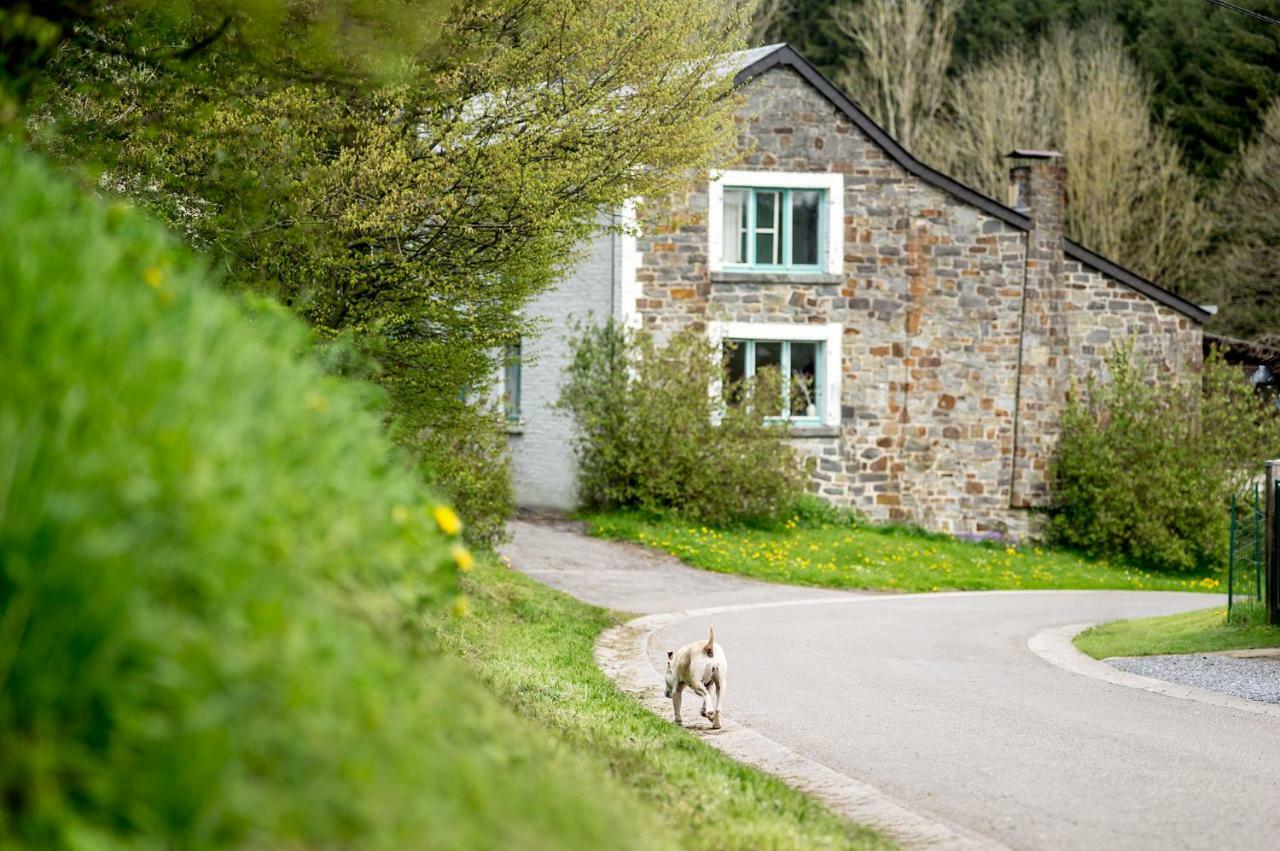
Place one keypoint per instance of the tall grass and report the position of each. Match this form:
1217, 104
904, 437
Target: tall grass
214, 579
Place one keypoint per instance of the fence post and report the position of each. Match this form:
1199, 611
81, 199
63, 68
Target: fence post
1231, 558
1257, 542
1272, 594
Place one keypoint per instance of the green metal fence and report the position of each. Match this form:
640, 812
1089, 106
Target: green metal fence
1247, 553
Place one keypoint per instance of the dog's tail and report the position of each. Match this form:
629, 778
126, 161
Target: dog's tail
710, 649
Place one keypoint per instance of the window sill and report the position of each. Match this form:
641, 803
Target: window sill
809, 432
778, 277
515, 427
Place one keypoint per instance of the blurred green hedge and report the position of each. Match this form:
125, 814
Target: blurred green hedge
215, 577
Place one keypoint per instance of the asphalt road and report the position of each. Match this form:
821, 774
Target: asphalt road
937, 702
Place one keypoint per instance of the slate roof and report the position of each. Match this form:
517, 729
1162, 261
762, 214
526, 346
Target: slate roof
748, 64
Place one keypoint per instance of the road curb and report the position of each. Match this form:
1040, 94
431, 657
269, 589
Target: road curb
623, 654
1057, 647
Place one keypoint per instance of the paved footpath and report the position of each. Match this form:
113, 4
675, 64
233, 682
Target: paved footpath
937, 702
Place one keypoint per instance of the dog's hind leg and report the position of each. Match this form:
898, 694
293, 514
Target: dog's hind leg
718, 684
701, 691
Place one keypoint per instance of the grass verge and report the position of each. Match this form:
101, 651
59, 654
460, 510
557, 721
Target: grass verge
534, 646
886, 558
1203, 631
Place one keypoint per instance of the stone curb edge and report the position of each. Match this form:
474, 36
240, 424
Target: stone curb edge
622, 653
1057, 647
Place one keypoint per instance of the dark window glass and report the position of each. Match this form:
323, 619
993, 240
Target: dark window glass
805, 207
803, 387
769, 356
736, 361
511, 382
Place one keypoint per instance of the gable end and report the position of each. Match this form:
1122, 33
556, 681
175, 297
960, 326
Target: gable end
785, 56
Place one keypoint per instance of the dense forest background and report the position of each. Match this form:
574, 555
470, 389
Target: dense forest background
1207, 75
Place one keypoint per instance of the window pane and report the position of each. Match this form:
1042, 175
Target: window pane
735, 225
766, 253
768, 228
736, 366
804, 380
805, 207
769, 357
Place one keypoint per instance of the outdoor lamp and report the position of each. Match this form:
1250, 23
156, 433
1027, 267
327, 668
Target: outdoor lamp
1264, 377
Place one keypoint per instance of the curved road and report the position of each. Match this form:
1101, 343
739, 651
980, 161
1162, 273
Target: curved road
937, 702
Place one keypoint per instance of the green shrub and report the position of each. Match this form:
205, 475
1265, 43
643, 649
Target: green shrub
465, 456
215, 576
651, 434
1147, 466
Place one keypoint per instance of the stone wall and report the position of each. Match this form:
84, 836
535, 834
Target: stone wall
931, 304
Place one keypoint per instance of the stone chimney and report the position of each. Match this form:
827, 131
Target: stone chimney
1037, 188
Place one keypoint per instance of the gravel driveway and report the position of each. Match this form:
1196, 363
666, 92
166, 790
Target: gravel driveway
1250, 678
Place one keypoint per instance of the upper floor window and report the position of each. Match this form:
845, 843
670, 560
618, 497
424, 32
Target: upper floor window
776, 222
773, 228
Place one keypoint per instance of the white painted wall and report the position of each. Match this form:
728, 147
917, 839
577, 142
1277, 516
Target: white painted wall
544, 474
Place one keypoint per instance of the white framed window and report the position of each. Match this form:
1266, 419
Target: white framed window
781, 222
808, 355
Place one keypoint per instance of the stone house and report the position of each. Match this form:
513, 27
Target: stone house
935, 331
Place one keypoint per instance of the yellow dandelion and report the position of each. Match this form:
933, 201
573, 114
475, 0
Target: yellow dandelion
461, 607
462, 557
153, 276
446, 520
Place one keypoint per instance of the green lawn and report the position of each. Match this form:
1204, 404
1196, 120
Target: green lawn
534, 647
1202, 631
888, 558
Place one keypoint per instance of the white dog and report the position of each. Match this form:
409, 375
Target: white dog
701, 667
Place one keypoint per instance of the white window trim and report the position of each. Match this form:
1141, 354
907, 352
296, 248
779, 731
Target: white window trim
831, 334
629, 262
831, 182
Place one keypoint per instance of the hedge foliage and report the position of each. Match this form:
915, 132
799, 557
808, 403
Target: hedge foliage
1147, 465
215, 577
653, 430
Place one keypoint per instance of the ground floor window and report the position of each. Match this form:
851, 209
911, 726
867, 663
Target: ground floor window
511, 364
800, 361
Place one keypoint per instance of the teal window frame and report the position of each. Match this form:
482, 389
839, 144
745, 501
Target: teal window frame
819, 376
511, 377
787, 230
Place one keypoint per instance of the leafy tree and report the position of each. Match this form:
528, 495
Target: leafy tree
414, 215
